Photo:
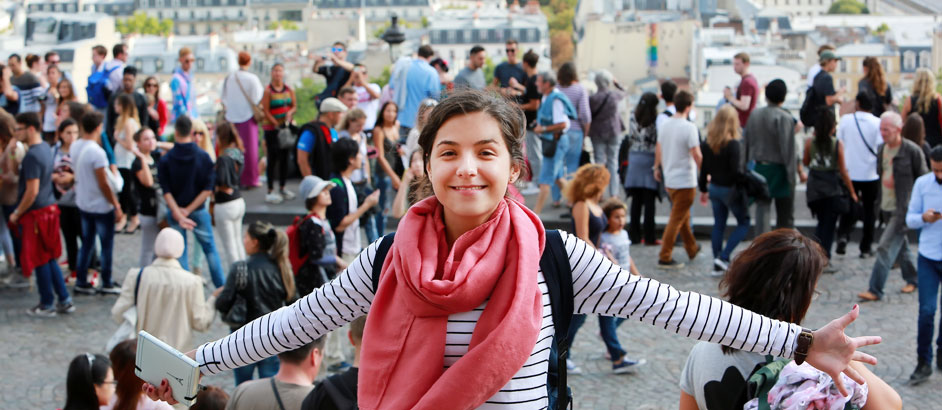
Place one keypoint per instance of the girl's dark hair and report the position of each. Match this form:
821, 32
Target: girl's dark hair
646, 110
508, 116
213, 398
566, 75
77, 110
274, 242
380, 121
128, 389
823, 129
85, 371
156, 93
66, 123
7, 125
227, 134
611, 205
775, 276
341, 152
914, 129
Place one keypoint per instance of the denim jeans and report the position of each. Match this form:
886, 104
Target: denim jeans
571, 154
266, 368
893, 246
606, 153
607, 326
204, 235
49, 280
101, 225
384, 185
723, 204
930, 277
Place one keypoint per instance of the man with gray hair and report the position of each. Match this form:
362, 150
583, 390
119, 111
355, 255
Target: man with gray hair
899, 162
553, 119
607, 128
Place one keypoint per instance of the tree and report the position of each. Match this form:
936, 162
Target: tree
882, 29
559, 15
383, 78
305, 95
141, 23
489, 67
283, 24
848, 7
562, 49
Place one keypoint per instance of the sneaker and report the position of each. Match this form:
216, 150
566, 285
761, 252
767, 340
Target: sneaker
274, 198
85, 290
571, 367
841, 247
720, 265
339, 367
671, 264
287, 195
627, 365
114, 289
921, 374
866, 254
17, 281
40, 311
830, 269
67, 307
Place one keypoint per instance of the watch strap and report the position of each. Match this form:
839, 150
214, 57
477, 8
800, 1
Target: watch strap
803, 344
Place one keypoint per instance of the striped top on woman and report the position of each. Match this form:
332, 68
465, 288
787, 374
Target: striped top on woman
599, 287
279, 106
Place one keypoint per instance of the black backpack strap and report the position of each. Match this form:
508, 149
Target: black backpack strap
380, 258
137, 285
277, 395
558, 275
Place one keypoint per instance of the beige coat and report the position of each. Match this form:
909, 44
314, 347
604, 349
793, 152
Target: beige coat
170, 303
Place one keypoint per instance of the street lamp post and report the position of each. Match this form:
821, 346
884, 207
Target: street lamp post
394, 37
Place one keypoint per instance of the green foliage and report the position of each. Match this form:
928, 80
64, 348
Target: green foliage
424, 22
378, 33
559, 16
848, 7
141, 23
283, 24
305, 95
383, 78
489, 67
882, 29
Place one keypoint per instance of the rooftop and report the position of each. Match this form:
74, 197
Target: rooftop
863, 50
269, 36
339, 4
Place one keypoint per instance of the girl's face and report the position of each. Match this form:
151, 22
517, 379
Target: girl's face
389, 114
323, 198
69, 134
416, 163
470, 167
356, 126
53, 76
64, 90
278, 73
250, 243
105, 390
64, 112
616, 221
147, 142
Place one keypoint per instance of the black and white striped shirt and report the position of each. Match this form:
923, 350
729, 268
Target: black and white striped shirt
599, 287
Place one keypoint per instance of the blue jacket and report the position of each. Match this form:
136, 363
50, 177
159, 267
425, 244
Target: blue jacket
184, 172
544, 116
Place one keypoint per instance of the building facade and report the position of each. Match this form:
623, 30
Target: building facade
452, 34
198, 17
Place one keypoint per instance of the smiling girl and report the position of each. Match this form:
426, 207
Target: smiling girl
462, 318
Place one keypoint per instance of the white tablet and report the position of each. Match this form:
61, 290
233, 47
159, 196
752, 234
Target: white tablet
156, 361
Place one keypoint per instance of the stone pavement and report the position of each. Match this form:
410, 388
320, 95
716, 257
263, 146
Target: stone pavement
36, 352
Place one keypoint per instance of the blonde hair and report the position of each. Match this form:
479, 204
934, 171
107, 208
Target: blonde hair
128, 111
590, 181
205, 143
352, 115
723, 128
184, 51
924, 89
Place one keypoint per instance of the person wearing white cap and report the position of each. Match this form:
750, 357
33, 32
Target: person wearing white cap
170, 302
316, 137
318, 245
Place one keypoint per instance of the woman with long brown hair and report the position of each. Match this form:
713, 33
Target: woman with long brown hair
875, 85
156, 107
914, 129
230, 206
926, 102
127, 393
125, 151
724, 162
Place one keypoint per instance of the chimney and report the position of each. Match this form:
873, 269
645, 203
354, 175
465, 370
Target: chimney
170, 43
533, 7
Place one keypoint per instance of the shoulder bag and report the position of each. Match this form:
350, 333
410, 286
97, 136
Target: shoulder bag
257, 112
128, 328
869, 148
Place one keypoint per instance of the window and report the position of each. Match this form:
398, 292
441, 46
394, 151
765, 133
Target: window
909, 60
925, 58
192, 29
159, 64
886, 65
200, 63
843, 66
224, 64
139, 64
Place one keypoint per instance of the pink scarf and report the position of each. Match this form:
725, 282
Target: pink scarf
402, 364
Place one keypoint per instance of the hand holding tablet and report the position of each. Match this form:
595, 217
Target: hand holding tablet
170, 375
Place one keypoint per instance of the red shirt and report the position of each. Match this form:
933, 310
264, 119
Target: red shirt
748, 86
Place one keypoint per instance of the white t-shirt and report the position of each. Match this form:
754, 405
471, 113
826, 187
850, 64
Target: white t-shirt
351, 235
88, 156
368, 104
661, 117
237, 108
725, 374
861, 162
677, 136
813, 71
123, 158
116, 75
618, 244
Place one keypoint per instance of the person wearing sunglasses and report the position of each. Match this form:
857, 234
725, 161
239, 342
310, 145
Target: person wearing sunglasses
509, 76
156, 107
336, 71
181, 86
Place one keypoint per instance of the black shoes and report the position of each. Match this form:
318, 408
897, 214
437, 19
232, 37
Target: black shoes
921, 374
841, 247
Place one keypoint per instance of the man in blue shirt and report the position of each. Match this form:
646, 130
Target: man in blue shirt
413, 82
187, 176
923, 213
316, 138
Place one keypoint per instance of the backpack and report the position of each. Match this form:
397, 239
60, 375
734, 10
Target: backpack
97, 88
809, 112
763, 379
294, 244
558, 275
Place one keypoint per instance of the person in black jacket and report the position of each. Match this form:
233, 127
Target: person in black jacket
345, 209
128, 82
724, 163
264, 281
316, 138
340, 390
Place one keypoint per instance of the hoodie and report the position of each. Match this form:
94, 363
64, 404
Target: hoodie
184, 172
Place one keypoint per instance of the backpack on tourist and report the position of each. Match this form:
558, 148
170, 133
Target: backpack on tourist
294, 244
558, 275
97, 88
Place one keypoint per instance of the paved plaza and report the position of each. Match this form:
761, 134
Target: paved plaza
35, 352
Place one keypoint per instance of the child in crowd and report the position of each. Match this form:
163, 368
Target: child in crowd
317, 237
615, 242
410, 190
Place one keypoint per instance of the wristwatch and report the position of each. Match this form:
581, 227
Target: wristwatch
803, 344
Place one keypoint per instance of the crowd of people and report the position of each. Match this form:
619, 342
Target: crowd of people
449, 157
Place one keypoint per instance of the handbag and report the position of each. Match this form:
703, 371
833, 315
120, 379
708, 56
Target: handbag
238, 312
286, 138
755, 185
257, 113
128, 326
549, 146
